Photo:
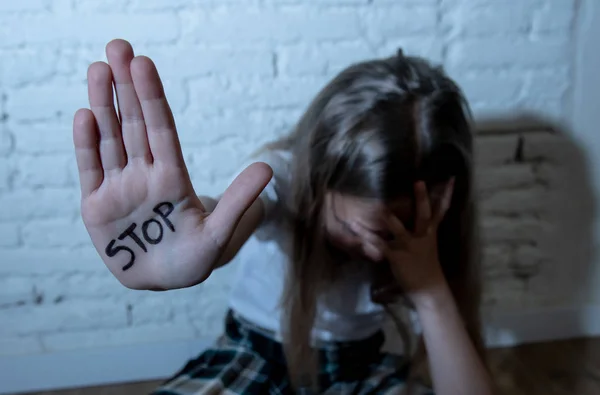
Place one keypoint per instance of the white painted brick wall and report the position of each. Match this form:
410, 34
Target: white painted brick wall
239, 73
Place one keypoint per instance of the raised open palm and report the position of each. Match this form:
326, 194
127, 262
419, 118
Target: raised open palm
137, 200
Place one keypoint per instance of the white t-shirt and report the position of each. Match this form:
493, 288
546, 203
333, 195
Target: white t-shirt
344, 313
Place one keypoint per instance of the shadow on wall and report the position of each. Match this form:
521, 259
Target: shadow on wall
538, 210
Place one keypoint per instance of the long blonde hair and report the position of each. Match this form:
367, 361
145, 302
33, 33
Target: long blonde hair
372, 132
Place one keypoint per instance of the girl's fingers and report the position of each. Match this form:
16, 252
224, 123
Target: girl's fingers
236, 199
100, 93
85, 139
444, 202
401, 235
423, 209
120, 54
373, 245
373, 252
162, 135
363, 233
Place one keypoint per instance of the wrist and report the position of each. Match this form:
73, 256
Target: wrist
435, 297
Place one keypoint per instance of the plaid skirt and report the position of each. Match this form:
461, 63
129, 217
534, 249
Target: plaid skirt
248, 361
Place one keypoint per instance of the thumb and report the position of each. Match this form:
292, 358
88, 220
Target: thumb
236, 199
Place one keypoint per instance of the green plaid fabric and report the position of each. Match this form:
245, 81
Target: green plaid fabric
246, 361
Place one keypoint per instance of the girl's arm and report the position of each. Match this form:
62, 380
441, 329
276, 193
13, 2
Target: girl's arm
246, 226
455, 365
413, 257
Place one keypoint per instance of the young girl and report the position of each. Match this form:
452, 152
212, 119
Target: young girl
370, 197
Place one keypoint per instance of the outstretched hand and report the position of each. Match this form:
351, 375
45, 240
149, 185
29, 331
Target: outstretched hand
137, 200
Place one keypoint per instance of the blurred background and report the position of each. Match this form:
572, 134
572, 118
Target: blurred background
239, 73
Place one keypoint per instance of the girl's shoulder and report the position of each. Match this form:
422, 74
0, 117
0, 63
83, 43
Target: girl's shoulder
274, 196
280, 160
275, 193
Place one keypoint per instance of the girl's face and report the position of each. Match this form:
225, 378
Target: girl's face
343, 212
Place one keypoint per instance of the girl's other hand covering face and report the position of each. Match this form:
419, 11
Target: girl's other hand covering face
360, 227
412, 255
